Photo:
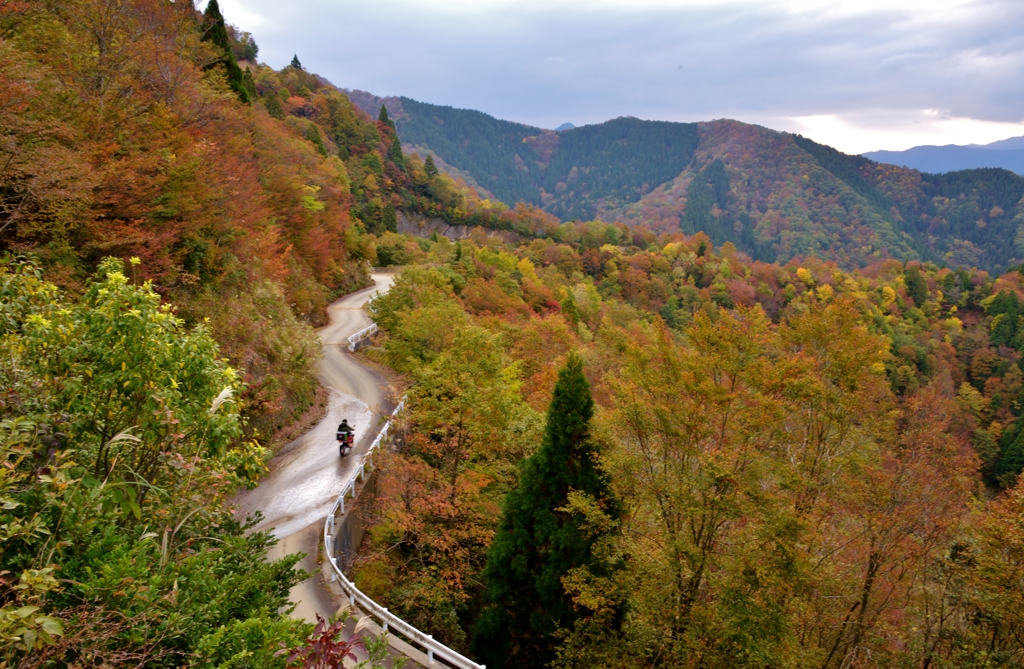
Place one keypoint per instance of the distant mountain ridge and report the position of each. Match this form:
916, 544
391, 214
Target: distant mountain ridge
776, 196
1007, 154
573, 174
1003, 144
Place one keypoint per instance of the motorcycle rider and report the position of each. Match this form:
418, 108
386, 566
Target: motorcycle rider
344, 435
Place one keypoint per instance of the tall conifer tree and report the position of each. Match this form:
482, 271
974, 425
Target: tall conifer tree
536, 543
430, 167
217, 33
384, 118
395, 150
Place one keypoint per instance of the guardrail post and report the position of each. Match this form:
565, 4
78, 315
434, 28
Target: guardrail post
343, 503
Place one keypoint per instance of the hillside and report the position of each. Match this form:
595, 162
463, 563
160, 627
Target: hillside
774, 195
572, 173
820, 425
250, 198
778, 196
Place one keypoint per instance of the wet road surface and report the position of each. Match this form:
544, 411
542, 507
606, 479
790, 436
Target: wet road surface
307, 475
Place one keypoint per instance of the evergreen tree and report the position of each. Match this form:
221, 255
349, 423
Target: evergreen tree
389, 220
217, 33
295, 62
1005, 310
569, 309
384, 118
313, 135
537, 544
395, 152
917, 288
246, 49
249, 85
274, 106
429, 167
1011, 459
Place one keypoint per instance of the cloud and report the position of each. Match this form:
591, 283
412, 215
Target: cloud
869, 65
895, 131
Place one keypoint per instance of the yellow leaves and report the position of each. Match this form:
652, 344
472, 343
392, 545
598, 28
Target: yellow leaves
825, 292
124, 367
38, 321
878, 368
310, 201
805, 275
888, 296
970, 399
996, 322
527, 270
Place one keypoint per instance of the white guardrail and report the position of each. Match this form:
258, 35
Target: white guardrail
353, 341
389, 621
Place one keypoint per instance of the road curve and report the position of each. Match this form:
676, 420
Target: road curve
306, 476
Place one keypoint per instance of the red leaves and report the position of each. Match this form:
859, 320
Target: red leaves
324, 649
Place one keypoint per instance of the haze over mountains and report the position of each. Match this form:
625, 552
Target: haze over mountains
774, 195
1007, 154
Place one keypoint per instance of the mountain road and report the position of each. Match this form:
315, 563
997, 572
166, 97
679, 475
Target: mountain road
307, 475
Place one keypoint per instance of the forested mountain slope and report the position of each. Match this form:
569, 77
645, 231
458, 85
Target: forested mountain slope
780, 446
574, 174
775, 195
173, 220
778, 196
250, 197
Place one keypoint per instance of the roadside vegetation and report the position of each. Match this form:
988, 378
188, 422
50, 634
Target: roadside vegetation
121, 443
799, 465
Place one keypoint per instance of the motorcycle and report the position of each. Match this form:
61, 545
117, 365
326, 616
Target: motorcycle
345, 442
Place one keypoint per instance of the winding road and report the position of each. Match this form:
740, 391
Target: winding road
306, 476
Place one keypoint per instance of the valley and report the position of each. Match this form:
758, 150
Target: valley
703, 395
774, 195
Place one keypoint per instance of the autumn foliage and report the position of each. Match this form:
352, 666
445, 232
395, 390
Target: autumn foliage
809, 459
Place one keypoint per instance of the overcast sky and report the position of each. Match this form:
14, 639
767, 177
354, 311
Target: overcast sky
859, 75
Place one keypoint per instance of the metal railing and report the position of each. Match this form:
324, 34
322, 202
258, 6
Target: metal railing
388, 621
353, 341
